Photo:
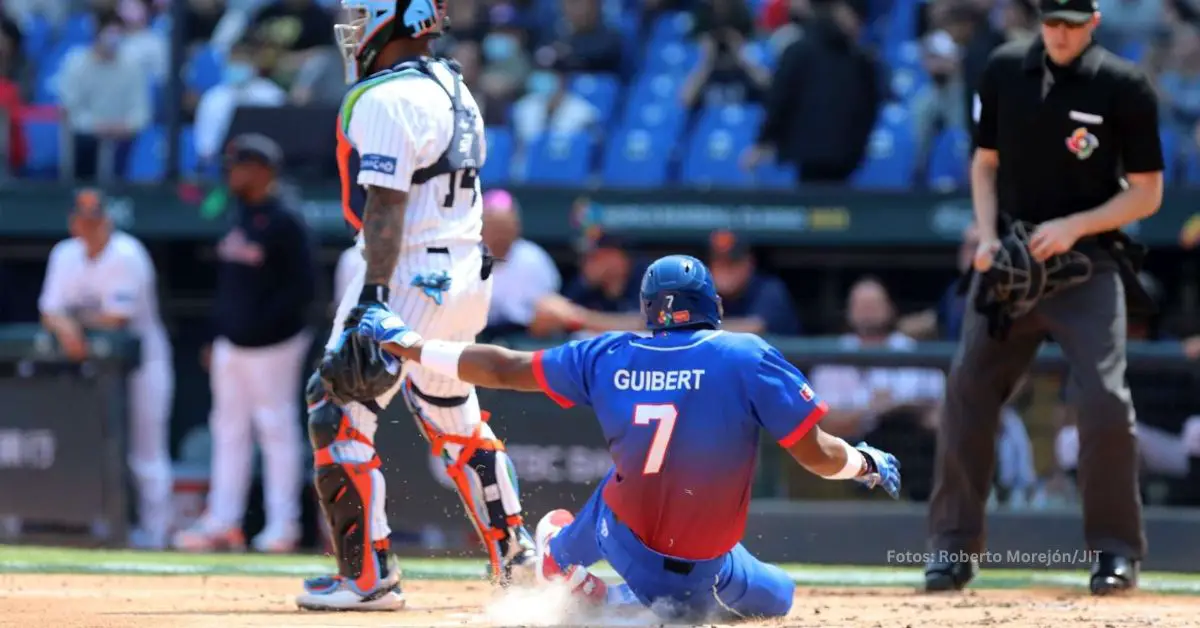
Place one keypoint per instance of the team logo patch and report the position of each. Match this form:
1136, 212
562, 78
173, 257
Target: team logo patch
806, 393
1082, 143
377, 163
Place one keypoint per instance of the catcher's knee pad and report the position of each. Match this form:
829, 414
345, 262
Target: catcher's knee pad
482, 472
350, 489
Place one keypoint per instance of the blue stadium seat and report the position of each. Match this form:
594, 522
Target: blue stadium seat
147, 156
556, 159
498, 167
775, 176
948, 160
44, 92
666, 120
599, 89
891, 152
79, 29
654, 88
204, 69
906, 82
901, 25
674, 57
638, 157
37, 37
1173, 153
732, 117
711, 159
42, 138
189, 161
671, 27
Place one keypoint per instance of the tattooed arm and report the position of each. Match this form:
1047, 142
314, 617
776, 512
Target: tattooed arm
382, 227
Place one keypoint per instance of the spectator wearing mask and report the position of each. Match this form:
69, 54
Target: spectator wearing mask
296, 30
725, 73
751, 301
823, 100
243, 85
524, 273
147, 46
265, 289
938, 105
585, 44
508, 63
549, 107
106, 98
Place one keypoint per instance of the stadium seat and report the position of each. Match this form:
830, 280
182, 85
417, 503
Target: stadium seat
147, 156
889, 163
599, 89
43, 141
37, 37
204, 69
670, 27
498, 167
556, 159
674, 57
733, 117
948, 160
667, 121
189, 161
1173, 149
44, 89
80, 28
654, 88
711, 158
901, 26
637, 158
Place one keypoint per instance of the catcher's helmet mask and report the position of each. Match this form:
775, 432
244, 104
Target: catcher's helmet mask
1018, 282
366, 26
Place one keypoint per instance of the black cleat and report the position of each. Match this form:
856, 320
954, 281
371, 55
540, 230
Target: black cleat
1112, 574
943, 576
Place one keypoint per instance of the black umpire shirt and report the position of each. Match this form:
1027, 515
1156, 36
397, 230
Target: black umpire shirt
266, 282
1065, 135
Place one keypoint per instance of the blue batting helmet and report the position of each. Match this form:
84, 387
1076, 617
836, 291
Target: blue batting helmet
678, 291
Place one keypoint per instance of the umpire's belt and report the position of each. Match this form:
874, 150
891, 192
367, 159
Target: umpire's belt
670, 565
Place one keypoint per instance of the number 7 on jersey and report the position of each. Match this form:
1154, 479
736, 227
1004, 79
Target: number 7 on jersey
664, 414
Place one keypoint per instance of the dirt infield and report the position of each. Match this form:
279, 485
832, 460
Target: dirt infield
61, 601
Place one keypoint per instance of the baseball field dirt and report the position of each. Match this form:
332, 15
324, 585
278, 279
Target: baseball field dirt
228, 601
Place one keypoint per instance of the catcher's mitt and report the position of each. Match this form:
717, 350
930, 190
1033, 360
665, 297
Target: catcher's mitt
357, 370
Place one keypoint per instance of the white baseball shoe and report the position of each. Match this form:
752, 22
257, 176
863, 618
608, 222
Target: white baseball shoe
276, 539
206, 536
336, 593
583, 584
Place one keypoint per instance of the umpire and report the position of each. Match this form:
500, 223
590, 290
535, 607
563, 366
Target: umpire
1067, 153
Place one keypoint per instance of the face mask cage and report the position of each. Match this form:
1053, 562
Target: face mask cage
348, 33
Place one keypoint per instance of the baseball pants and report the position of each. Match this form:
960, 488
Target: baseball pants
446, 410
731, 586
151, 393
257, 388
1088, 321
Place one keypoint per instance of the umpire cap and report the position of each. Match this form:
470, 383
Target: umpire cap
254, 148
1071, 11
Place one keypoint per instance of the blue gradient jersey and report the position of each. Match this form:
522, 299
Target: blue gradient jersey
681, 412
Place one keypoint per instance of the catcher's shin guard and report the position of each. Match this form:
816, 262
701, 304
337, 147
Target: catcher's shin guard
349, 486
486, 481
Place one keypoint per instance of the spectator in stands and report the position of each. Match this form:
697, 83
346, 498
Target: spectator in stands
53, 11
549, 107
469, 19
147, 46
105, 96
295, 29
970, 27
785, 21
752, 301
524, 273
939, 104
1020, 20
504, 76
243, 84
726, 72
585, 44
469, 56
944, 322
824, 99
606, 281
12, 58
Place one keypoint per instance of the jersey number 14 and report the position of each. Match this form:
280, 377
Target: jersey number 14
461, 179
663, 415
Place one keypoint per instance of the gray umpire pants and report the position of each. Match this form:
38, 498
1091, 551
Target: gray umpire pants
1088, 322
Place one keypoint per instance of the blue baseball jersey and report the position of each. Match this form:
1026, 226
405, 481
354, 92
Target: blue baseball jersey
682, 412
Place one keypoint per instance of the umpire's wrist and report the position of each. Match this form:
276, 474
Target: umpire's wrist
374, 293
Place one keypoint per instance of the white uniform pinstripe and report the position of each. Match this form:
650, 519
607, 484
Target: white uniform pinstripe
121, 281
398, 125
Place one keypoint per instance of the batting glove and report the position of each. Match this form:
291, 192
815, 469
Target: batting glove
884, 472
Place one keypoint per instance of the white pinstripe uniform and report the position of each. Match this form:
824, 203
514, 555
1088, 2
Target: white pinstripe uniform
121, 281
398, 124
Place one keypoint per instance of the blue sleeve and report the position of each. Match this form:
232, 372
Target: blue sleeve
564, 372
783, 401
773, 305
